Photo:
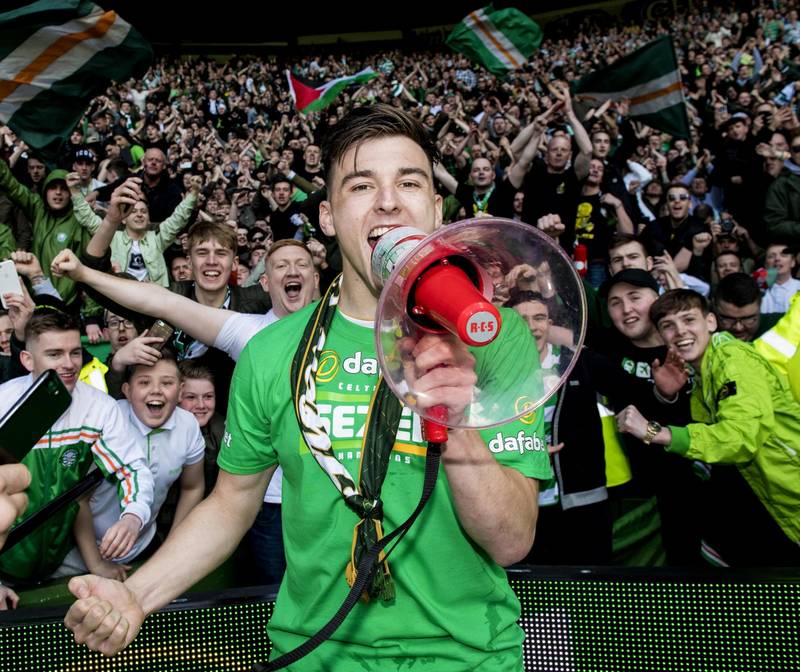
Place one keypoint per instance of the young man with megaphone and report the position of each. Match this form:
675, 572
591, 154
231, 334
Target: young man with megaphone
444, 598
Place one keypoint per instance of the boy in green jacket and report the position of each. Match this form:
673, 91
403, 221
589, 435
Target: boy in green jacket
54, 224
746, 424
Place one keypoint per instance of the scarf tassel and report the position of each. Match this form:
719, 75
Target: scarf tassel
381, 585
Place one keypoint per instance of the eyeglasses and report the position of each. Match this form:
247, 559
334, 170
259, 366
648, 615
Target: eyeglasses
677, 197
727, 321
258, 239
117, 324
795, 149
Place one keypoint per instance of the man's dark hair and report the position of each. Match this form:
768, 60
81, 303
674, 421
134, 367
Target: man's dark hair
676, 300
43, 321
119, 166
370, 123
726, 254
278, 179
675, 185
620, 239
738, 289
703, 211
517, 296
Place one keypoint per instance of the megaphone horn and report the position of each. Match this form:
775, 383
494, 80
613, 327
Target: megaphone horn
451, 281
444, 292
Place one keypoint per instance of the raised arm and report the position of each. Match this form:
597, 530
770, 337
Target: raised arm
582, 138
517, 172
448, 181
81, 209
179, 218
200, 322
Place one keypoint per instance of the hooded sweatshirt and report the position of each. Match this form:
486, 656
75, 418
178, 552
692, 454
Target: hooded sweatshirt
53, 230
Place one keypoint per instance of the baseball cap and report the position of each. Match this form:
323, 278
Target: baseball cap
86, 154
737, 116
631, 276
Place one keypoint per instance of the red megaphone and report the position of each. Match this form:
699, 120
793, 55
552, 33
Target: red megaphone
444, 293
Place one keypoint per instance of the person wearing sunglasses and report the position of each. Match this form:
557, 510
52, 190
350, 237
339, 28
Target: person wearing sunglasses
684, 236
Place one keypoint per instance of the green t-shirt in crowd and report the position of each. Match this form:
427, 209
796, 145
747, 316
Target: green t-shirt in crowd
454, 609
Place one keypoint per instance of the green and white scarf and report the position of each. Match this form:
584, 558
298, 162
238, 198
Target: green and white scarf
382, 422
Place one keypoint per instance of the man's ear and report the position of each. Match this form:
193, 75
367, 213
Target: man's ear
438, 204
648, 260
26, 358
711, 320
326, 219
126, 388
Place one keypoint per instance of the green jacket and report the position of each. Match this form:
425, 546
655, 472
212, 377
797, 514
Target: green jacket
8, 243
745, 415
782, 206
52, 232
152, 245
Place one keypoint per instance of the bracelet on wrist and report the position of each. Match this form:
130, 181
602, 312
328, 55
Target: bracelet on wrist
663, 399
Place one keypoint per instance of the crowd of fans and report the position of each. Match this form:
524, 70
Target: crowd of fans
193, 177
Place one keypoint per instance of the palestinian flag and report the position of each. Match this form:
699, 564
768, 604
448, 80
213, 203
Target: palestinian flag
55, 56
500, 40
309, 98
650, 79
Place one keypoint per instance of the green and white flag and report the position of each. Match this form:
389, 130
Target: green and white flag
308, 98
649, 78
55, 56
500, 40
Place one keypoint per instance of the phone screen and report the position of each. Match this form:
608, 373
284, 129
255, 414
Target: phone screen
9, 280
33, 414
162, 330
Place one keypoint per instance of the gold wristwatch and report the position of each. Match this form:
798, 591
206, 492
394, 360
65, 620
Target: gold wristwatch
653, 428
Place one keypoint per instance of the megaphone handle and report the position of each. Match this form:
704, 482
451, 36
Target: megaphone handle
434, 430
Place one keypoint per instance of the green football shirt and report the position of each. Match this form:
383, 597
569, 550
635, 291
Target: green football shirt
454, 609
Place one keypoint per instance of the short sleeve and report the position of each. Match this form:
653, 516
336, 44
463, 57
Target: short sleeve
247, 443
238, 329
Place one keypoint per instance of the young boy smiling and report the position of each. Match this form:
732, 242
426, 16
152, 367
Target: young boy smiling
746, 424
173, 447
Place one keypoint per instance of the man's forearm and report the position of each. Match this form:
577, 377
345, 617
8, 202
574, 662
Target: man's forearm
142, 297
203, 541
497, 505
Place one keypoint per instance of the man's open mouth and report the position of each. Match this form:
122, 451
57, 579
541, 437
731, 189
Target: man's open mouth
376, 233
293, 289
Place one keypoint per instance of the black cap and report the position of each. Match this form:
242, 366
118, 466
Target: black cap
85, 154
47, 303
632, 276
741, 115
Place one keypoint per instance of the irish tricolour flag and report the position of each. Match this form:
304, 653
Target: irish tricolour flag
55, 56
649, 78
500, 40
309, 98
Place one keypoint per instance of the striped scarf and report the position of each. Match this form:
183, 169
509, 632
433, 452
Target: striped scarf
383, 419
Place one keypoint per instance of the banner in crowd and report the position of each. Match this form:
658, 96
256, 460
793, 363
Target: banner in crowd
55, 56
500, 40
650, 79
311, 98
